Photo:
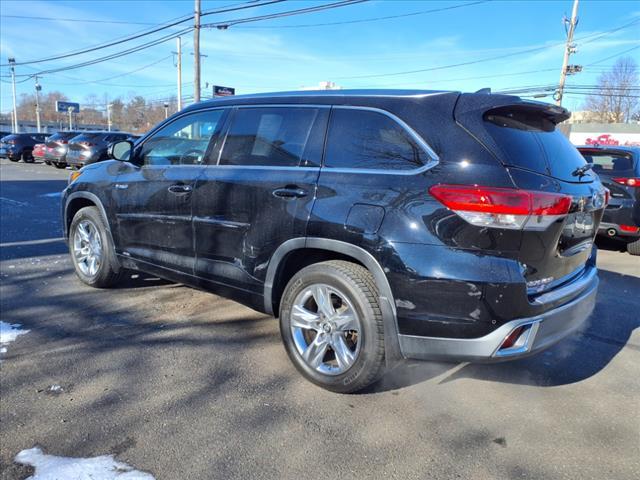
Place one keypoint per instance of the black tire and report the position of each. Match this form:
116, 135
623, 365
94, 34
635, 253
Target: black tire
27, 158
634, 247
60, 165
109, 271
47, 162
358, 285
11, 159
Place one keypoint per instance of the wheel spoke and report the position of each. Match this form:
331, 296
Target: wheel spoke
346, 320
344, 355
322, 297
303, 318
82, 231
315, 352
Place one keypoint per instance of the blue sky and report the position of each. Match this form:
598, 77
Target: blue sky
264, 56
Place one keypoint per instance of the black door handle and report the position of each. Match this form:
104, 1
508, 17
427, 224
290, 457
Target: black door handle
179, 189
290, 192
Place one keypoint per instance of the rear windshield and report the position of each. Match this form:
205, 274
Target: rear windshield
530, 140
610, 162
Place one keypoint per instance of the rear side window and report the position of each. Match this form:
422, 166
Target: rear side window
275, 136
611, 163
529, 139
367, 139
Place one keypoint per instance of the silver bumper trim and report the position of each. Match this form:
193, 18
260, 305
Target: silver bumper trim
546, 329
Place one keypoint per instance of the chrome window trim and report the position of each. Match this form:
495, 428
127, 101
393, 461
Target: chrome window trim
433, 158
431, 154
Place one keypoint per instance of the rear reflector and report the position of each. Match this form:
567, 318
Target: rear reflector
512, 337
628, 182
503, 207
629, 228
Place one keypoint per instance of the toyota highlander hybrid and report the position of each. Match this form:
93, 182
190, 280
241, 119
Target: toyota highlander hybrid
377, 225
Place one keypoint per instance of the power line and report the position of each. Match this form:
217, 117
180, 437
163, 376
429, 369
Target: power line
498, 57
144, 33
288, 13
374, 19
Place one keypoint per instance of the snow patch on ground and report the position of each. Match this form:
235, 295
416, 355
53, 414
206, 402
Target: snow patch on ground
104, 467
8, 333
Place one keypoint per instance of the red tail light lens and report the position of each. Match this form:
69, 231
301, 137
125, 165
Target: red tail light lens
629, 228
63, 142
628, 182
503, 207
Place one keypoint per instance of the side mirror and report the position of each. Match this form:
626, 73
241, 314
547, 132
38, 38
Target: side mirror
120, 150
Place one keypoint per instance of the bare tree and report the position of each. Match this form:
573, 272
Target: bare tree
616, 100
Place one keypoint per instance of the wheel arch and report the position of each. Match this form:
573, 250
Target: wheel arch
345, 251
78, 200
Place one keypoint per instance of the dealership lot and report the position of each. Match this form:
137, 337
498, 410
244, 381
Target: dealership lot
184, 384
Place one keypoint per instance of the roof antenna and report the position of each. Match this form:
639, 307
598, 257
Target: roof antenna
486, 91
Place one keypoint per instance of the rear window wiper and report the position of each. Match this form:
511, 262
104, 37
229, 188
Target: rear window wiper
582, 171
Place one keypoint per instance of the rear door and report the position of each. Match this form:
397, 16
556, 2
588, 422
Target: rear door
152, 195
524, 137
258, 193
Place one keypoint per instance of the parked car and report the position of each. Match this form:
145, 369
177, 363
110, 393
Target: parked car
4, 133
377, 225
56, 148
39, 150
91, 147
19, 146
619, 169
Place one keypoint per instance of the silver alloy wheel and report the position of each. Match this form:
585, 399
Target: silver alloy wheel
325, 329
87, 248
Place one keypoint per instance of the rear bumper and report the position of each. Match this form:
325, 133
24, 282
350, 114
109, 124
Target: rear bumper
542, 332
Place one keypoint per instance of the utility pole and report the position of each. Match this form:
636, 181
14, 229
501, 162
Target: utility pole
70, 110
196, 53
179, 65
38, 88
12, 62
568, 50
108, 116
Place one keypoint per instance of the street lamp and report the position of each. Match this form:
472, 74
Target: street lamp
38, 89
166, 110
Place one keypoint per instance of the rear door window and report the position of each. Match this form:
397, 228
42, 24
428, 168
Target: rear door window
610, 163
531, 141
275, 136
366, 139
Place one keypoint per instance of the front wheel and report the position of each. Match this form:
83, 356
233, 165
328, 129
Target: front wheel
60, 165
27, 158
91, 249
331, 325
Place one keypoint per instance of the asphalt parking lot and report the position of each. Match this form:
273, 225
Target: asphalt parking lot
183, 384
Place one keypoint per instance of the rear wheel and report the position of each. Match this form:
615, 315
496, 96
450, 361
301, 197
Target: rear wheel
27, 158
634, 247
13, 159
47, 162
60, 165
92, 252
331, 326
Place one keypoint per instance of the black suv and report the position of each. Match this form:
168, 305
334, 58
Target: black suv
377, 225
91, 147
19, 146
619, 169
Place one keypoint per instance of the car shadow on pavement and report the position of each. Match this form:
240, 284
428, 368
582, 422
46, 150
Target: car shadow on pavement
577, 358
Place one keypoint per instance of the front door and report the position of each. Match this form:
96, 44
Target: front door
259, 193
153, 193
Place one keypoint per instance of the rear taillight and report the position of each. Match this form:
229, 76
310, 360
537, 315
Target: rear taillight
628, 182
63, 142
607, 196
629, 228
503, 207
87, 144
